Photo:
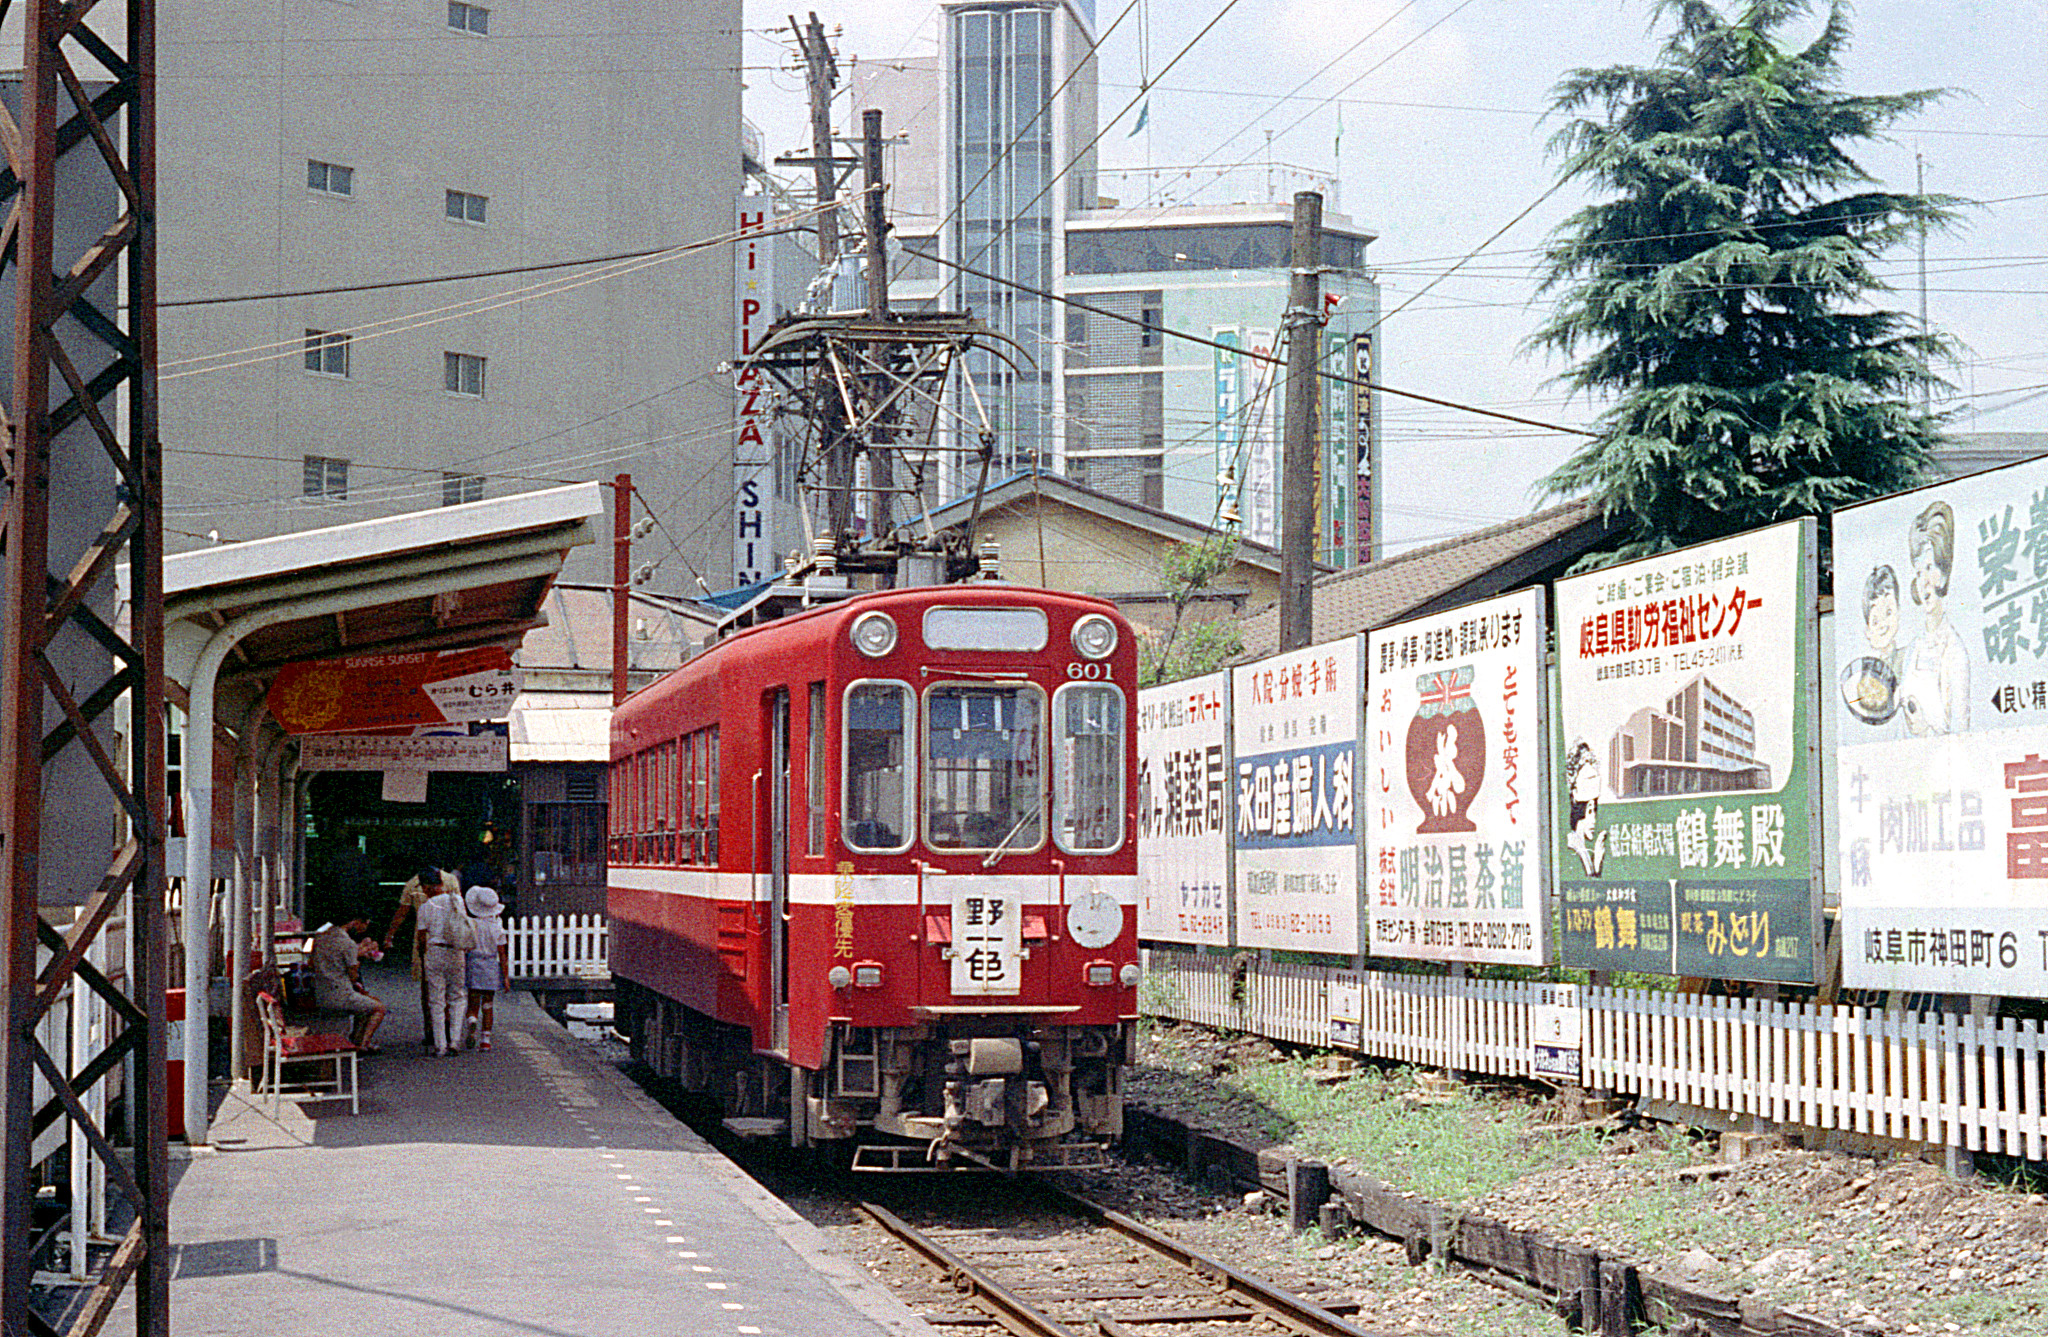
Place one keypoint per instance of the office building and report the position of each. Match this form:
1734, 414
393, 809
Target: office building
314, 150
1194, 430
1702, 741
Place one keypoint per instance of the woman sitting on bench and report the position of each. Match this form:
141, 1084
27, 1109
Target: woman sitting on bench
338, 982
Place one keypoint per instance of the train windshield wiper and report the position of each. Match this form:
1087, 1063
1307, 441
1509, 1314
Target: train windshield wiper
1003, 846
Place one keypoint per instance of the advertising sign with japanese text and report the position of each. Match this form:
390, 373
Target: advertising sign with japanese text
383, 752
1454, 831
1686, 821
1294, 737
1938, 681
394, 691
1181, 791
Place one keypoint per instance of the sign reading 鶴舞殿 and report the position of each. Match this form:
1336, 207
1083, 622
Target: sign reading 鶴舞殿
1685, 822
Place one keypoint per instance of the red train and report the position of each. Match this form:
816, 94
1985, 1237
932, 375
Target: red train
873, 872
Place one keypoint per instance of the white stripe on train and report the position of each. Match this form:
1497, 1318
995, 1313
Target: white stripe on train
868, 888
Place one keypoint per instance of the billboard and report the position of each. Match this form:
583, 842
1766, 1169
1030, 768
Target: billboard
1294, 739
1938, 681
423, 687
1686, 828
1454, 830
1182, 784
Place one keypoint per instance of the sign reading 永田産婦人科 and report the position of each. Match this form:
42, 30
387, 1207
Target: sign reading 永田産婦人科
1294, 737
1938, 681
1685, 820
1454, 829
1182, 788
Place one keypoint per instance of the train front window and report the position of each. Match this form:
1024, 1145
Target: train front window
876, 810
1088, 769
984, 783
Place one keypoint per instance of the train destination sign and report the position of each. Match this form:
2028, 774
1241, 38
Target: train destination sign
1938, 685
1686, 826
1455, 858
394, 691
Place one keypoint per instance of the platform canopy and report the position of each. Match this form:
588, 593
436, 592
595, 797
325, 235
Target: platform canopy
235, 615
443, 579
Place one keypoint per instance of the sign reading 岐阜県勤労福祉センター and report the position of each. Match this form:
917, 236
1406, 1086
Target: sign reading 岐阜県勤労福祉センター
1685, 819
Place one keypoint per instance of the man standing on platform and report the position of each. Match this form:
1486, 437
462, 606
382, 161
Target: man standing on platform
442, 941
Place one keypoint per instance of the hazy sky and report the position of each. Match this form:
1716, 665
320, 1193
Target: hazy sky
1444, 144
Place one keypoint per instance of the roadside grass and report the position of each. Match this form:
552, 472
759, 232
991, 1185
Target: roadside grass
1453, 1149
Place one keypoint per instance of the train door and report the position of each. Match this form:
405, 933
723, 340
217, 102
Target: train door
778, 869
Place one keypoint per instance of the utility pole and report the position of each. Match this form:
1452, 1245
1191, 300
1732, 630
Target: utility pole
622, 578
1304, 324
881, 478
821, 76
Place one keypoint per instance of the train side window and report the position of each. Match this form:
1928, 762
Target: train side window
984, 768
1088, 768
814, 773
711, 821
876, 806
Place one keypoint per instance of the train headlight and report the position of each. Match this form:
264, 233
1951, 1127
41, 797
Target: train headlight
839, 977
867, 974
1101, 974
1094, 637
874, 634
1129, 975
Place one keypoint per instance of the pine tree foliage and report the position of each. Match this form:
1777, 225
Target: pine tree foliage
1721, 292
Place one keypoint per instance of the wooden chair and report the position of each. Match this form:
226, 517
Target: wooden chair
281, 1051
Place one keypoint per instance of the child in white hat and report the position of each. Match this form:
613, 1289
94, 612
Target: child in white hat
487, 964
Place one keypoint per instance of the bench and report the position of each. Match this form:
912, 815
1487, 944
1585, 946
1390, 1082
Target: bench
283, 1050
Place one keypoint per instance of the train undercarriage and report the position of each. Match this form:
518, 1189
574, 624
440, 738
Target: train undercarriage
969, 1092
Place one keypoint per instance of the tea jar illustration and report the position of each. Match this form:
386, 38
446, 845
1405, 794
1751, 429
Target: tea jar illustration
1446, 750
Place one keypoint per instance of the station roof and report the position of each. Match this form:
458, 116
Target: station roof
444, 579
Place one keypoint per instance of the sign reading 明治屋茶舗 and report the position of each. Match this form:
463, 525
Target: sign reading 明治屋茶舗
1939, 681
1685, 814
1455, 855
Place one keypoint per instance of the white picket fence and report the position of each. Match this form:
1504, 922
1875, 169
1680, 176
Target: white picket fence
1935, 1078
550, 947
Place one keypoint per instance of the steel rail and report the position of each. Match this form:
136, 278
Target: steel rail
1269, 1301
1010, 1310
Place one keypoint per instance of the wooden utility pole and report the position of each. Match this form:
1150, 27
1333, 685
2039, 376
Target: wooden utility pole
821, 77
881, 477
1298, 457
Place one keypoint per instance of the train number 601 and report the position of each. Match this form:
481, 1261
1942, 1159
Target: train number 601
1093, 669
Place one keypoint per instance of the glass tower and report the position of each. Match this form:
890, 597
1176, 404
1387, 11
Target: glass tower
1013, 177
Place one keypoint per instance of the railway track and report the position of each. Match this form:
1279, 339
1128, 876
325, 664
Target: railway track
1078, 1269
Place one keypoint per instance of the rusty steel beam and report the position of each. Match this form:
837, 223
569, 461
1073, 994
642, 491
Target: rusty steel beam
76, 349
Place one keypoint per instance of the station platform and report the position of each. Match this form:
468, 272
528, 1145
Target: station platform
529, 1191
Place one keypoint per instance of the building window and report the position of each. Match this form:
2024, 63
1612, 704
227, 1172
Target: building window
468, 18
465, 207
327, 352
326, 479
459, 488
330, 178
462, 374
1151, 319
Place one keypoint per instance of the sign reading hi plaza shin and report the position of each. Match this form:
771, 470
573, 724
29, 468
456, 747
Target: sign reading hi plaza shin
1294, 733
1938, 682
1685, 819
1455, 856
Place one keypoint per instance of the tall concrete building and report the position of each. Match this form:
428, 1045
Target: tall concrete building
312, 151
1196, 431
